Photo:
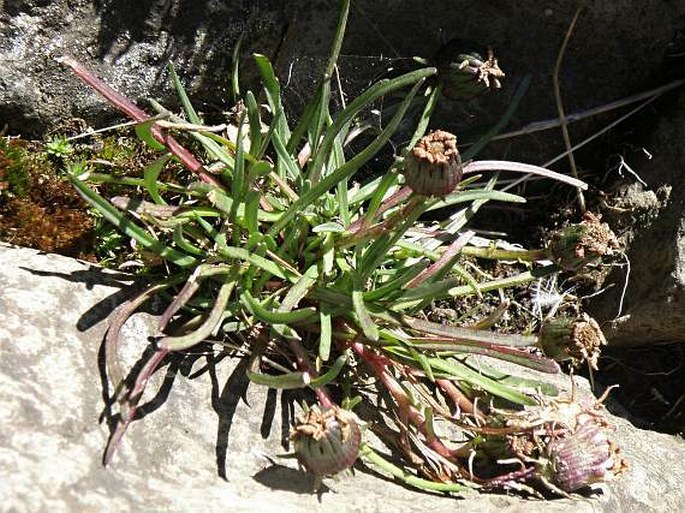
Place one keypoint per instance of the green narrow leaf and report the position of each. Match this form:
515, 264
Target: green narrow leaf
184, 244
326, 334
416, 356
212, 321
238, 183
144, 133
459, 371
330, 227
382, 245
422, 125
129, 227
287, 162
328, 257
255, 124
394, 286
387, 181
349, 168
519, 279
275, 317
287, 381
505, 353
235, 77
190, 111
366, 322
272, 89
317, 108
342, 186
377, 90
300, 289
454, 369
331, 374
151, 175
251, 219
406, 477
256, 260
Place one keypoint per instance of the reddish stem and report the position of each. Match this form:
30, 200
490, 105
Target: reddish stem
462, 402
136, 113
379, 364
393, 200
304, 365
130, 405
451, 252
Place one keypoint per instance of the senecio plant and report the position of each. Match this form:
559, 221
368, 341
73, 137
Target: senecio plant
323, 282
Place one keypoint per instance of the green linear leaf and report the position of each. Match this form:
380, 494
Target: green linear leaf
129, 227
377, 90
190, 111
368, 326
286, 381
331, 374
275, 317
216, 314
256, 260
326, 338
151, 175
350, 167
144, 133
255, 121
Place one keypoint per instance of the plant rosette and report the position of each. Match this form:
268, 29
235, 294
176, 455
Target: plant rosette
323, 282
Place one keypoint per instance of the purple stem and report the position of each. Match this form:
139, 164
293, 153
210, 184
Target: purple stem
136, 113
451, 252
130, 405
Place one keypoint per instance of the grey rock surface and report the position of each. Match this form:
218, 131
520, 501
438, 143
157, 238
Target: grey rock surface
205, 423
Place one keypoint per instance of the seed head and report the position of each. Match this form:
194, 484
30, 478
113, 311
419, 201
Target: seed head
326, 442
578, 339
433, 167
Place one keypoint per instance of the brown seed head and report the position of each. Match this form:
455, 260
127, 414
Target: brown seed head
433, 166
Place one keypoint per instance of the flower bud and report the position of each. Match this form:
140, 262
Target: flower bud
463, 74
569, 442
585, 456
326, 442
578, 339
433, 167
585, 243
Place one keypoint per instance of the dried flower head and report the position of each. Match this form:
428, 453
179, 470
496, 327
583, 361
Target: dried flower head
433, 167
326, 442
585, 243
464, 74
582, 457
578, 339
570, 442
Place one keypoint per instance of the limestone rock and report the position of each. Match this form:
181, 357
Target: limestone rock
208, 441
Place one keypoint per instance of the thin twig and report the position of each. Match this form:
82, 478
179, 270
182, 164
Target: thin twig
548, 124
114, 127
594, 136
625, 286
560, 107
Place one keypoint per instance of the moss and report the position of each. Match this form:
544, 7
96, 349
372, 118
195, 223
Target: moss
40, 209
13, 177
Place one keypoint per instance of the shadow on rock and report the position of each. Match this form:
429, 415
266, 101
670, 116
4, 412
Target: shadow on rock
225, 402
97, 276
280, 477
